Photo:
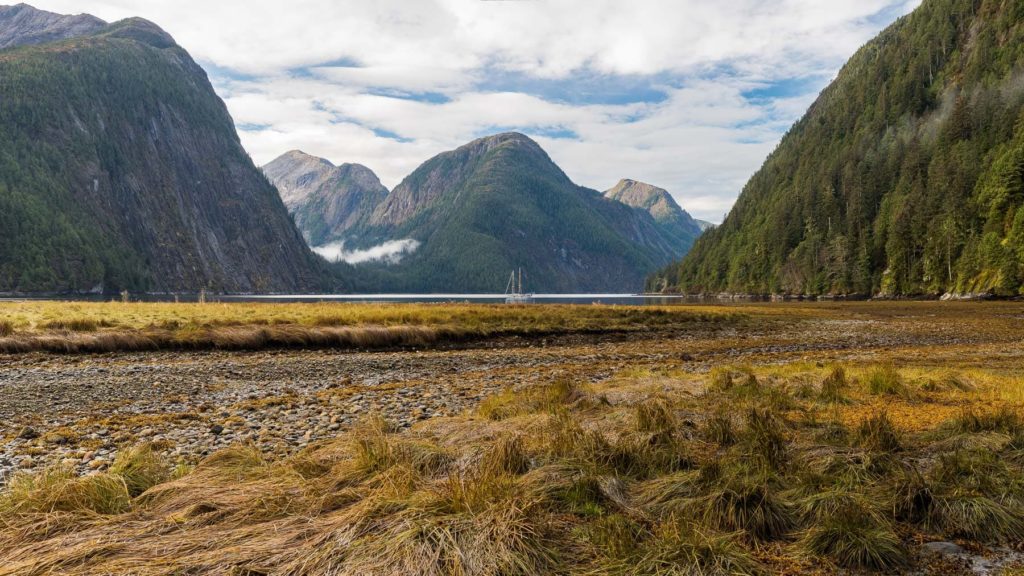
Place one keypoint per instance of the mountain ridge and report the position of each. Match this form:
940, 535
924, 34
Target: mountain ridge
903, 178
467, 216
131, 176
23, 25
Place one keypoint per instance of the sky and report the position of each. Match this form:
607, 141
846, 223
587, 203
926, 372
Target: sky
688, 95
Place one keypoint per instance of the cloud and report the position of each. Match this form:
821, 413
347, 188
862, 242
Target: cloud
686, 94
390, 252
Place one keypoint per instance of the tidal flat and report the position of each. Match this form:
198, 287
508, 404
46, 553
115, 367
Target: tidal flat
747, 439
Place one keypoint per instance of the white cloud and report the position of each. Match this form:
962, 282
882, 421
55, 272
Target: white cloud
345, 79
390, 252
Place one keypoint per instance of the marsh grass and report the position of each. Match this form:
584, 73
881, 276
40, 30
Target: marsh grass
856, 538
549, 479
719, 428
886, 380
106, 327
878, 434
1004, 419
76, 324
834, 386
141, 468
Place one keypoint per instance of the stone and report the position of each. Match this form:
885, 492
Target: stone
28, 433
942, 548
216, 429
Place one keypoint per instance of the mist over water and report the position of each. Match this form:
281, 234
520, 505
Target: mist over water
390, 252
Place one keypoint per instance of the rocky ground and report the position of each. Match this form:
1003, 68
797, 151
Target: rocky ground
80, 409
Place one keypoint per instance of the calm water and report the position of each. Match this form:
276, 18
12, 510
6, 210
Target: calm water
622, 299
625, 299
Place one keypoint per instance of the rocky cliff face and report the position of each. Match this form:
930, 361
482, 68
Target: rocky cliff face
23, 25
326, 201
673, 220
120, 169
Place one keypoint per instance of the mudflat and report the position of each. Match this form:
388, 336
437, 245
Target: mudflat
701, 388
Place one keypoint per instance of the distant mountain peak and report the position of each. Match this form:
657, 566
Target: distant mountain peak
325, 200
657, 202
503, 139
140, 30
638, 194
24, 25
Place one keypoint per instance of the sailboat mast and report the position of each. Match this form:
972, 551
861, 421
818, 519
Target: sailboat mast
520, 281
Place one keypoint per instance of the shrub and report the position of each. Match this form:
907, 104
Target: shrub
6, 328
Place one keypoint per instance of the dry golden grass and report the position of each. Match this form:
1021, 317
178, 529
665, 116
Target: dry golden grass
748, 471
76, 327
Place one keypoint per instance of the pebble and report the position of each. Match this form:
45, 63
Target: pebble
197, 403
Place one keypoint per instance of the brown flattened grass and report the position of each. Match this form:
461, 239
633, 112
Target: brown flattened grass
545, 479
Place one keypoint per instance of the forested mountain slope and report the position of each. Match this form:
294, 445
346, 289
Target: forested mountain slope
905, 177
500, 203
120, 168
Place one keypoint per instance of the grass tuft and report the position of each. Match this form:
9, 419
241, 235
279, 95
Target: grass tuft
73, 325
532, 400
878, 434
748, 504
141, 468
978, 518
719, 429
764, 438
677, 548
886, 380
655, 416
855, 539
1004, 420
833, 386
60, 490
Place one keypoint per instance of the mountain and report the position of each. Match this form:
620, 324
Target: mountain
120, 168
23, 25
466, 218
674, 221
325, 200
704, 225
905, 177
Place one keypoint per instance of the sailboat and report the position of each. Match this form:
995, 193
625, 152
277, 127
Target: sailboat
514, 290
